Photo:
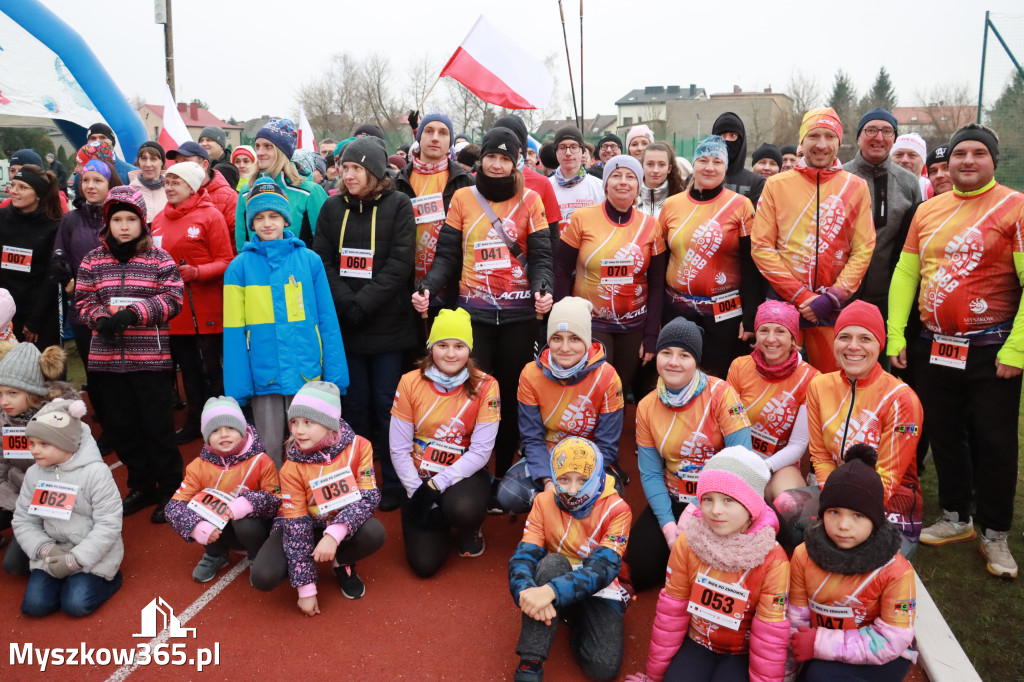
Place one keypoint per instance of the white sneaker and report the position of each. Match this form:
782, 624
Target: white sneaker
997, 553
948, 529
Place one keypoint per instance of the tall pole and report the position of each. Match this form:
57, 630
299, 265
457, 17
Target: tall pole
981, 81
169, 51
583, 116
572, 86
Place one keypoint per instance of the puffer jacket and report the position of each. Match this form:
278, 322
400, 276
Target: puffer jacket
224, 198
93, 533
305, 200
376, 314
194, 232
280, 327
77, 235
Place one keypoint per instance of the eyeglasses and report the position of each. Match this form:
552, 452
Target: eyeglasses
609, 146
568, 148
887, 133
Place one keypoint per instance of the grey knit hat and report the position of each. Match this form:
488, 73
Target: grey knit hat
682, 333
368, 152
58, 423
20, 369
215, 133
221, 411
318, 401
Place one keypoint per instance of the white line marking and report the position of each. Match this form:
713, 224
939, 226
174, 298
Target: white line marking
186, 615
116, 464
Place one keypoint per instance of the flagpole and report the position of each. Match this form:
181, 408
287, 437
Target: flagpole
429, 90
583, 116
572, 86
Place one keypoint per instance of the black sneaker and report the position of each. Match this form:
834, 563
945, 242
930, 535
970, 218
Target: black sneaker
529, 671
137, 500
187, 434
159, 515
493, 506
471, 544
351, 585
390, 500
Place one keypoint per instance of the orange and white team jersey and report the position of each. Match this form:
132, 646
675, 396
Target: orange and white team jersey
429, 212
492, 278
771, 404
686, 437
848, 602
790, 222
571, 410
443, 423
882, 412
728, 600
255, 473
352, 469
558, 532
703, 239
611, 269
966, 247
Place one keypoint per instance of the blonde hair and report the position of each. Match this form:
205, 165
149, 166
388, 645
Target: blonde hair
280, 164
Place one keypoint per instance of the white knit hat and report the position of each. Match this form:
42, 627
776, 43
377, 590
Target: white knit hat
913, 142
189, 171
571, 314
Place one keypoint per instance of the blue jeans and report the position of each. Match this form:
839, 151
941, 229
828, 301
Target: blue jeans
77, 595
373, 380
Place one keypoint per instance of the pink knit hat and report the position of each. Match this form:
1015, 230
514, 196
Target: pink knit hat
778, 312
738, 473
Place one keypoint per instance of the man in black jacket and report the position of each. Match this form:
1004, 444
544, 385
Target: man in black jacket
59, 170
738, 178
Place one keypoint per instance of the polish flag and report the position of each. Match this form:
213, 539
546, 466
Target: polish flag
173, 133
306, 139
498, 71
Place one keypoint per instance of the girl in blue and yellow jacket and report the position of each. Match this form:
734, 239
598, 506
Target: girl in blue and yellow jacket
280, 327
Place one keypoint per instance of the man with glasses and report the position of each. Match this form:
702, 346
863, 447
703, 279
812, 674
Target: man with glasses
895, 192
574, 187
608, 147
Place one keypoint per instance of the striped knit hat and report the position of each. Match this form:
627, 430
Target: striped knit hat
221, 411
738, 473
320, 402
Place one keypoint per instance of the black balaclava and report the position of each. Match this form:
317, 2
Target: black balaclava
731, 123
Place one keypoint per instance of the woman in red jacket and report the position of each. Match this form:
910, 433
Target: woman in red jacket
193, 231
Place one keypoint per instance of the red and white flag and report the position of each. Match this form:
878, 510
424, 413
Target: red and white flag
498, 71
173, 132
306, 139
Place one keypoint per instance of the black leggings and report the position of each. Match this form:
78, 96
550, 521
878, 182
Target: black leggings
248, 534
834, 671
200, 381
271, 565
623, 352
647, 553
463, 505
694, 662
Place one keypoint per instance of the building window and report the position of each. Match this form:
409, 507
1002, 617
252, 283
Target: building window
627, 121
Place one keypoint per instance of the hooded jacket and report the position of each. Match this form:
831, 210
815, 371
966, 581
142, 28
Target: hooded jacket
305, 200
280, 328
93, 533
224, 198
376, 313
737, 177
77, 235
194, 232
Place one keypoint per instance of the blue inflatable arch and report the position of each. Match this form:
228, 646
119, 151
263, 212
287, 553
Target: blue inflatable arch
97, 84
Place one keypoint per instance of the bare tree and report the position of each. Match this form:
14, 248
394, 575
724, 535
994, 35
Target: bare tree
421, 91
328, 98
376, 93
948, 106
806, 94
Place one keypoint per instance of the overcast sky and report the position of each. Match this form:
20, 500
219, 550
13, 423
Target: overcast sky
246, 58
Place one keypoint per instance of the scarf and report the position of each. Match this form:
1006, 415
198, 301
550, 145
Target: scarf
775, 371
683, 396
736, 552
424, 168
151, 184
570, 182
496, 189
875, 552
445, 383
563, 373
330, 438
123, 251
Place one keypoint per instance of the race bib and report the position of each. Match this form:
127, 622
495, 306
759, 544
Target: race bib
212, 505
686, 486
16, 443
14, 258
717, 601
491, 254
119, 303
762, 441
428, 208
335, 490
616, 271
611, 592
438, 456
726, 306
53, 499
831, 617
950, 351
357, 263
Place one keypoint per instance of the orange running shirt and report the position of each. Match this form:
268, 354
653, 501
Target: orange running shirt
771, 404
611, 270
256, 473
491, 277
426, 233
296, 494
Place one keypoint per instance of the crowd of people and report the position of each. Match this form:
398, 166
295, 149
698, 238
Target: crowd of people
477, 319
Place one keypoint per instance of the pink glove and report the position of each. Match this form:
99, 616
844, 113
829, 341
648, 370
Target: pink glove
671, 531
802, 642
637, 677
188, 272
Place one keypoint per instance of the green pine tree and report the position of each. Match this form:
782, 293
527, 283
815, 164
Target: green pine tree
843, 97
881, 95
1006, 117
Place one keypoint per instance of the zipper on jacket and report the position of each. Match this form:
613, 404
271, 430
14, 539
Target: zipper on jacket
846, 426
123, 368
817, 230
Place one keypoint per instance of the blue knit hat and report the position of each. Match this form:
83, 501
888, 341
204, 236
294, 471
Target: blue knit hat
281, 132
265, 195
712, 145
877, 115
26, 157
436, 116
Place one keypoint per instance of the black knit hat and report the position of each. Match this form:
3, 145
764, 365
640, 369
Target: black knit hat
102, 129
788, 149
977, 133
682, 333
767, 151
547, 155
937, 155
371, 130
501, 141
516, 125
368, 152
569, 132
855, 485
155, 146
610, 138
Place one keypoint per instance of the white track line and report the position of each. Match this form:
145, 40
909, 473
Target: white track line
116, 464
186, 615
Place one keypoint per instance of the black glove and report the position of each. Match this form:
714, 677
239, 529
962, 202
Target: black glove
414, 120
422, 500
123, 319
60, 271
105, 329
353, 314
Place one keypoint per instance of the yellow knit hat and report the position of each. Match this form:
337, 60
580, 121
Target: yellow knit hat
452, 324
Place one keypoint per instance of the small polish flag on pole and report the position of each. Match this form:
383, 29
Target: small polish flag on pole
498, 71
173, 132
306, 139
